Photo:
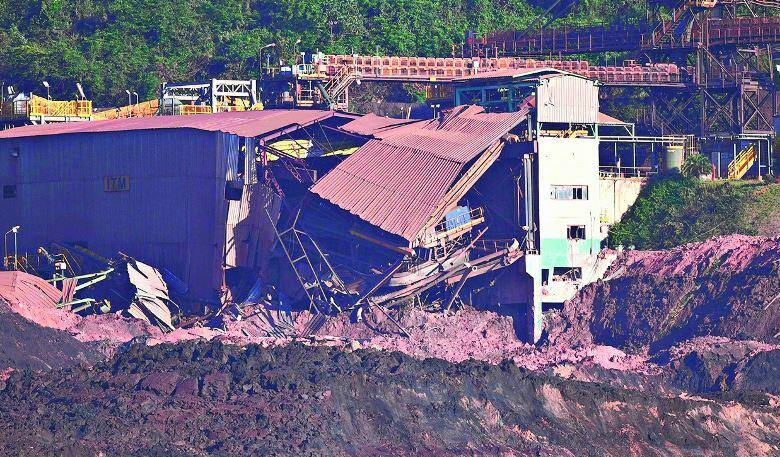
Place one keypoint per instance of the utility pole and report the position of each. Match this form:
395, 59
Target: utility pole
14, 230
269, 45
129, 103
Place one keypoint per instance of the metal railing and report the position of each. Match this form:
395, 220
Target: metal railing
626, 172
474, 214
40, 106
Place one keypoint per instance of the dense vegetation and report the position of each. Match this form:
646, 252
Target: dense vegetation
675, 211
113, 45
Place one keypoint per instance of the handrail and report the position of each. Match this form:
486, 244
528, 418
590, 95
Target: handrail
473, 214
40, 106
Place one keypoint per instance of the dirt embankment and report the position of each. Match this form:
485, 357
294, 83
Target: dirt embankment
204, 397
651, 300
701, 319
26, 345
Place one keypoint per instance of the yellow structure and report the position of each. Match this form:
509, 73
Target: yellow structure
301, 148
40, 109
143, 109
742, 162
40, 106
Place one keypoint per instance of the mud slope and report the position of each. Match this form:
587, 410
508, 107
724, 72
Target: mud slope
24, 344
203, 397
727, 286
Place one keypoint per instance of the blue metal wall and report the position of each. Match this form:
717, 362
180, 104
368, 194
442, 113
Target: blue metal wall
172, 216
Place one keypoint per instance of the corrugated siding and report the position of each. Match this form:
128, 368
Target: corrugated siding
172, 216
567, 99
230, 144
250, 166
249, 233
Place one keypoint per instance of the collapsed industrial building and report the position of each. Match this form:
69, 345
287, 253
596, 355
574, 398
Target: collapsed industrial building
503, 202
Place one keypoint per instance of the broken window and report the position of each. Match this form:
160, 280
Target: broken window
9, 191
569, 192
575, 232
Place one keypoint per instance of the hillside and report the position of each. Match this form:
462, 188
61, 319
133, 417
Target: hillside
675, 211
113, 45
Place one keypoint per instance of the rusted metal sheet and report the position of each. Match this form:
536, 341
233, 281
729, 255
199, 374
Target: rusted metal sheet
241, 123
605, 119
397, 181
18, 287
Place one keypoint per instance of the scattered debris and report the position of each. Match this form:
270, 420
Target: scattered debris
151, 302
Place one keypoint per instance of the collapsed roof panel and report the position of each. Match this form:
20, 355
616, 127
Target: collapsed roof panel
397, 181
151, 301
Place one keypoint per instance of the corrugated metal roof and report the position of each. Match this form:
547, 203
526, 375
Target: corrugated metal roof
395, 182
567, 99
241, 123
606, 119
371, 124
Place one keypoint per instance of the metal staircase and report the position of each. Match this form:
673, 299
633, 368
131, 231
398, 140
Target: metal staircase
336, 87
742, 162
684, 13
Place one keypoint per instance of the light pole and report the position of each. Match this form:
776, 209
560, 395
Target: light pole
137, 100
129, 104
48, 90
295, 50
269, 45
14, 230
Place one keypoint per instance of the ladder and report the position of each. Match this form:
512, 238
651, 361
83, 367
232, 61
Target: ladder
311, 267
742, 162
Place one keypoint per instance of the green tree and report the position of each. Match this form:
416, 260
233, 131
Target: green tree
113, 45
696, 165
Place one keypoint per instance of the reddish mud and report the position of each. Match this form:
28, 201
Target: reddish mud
675, 353
199, 398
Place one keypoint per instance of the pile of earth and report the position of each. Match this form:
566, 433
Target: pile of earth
642, 327
205, 397
26, 345
618, 370
651, 300
706, 314
711, 364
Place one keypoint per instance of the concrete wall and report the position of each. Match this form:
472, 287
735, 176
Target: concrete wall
172, 216
617, 195
568, 161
